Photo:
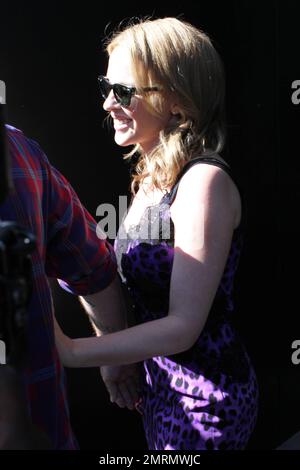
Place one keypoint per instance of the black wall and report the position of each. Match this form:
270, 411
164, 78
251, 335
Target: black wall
50, 55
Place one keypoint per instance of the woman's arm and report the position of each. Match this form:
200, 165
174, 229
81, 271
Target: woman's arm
203, 215
123, 347
106, 309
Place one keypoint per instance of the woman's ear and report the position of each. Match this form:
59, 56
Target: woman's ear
175, 110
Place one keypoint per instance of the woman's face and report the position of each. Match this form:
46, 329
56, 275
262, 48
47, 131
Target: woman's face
133, 124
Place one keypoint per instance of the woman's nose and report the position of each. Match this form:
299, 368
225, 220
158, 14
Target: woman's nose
110, 102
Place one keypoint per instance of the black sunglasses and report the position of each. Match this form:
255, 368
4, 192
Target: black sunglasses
122, 93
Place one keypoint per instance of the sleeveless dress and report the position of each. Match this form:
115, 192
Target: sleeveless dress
205, 397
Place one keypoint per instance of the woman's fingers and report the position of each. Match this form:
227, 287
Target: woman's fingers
133, 389
112, 389
126, 393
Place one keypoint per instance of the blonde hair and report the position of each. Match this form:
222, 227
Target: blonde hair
182, 60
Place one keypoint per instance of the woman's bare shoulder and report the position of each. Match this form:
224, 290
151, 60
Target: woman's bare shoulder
204, 181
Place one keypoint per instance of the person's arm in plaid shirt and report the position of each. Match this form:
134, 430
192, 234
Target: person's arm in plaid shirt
85, 265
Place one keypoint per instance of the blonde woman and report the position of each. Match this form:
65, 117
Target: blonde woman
179, 244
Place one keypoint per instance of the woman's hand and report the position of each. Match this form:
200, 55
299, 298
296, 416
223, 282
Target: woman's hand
65, 346
122, 384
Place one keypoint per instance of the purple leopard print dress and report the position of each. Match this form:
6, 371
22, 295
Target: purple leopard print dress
206, 397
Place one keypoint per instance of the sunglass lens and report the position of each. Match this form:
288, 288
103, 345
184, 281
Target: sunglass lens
105, 87
122, 94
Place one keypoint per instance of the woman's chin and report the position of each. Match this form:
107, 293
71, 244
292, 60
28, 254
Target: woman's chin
123, 141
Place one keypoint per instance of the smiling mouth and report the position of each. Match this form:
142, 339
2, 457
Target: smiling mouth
121, 123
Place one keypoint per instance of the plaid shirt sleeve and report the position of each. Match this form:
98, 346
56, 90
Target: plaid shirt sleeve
82, 263
67, 247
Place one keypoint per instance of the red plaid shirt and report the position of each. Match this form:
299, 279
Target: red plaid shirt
67, 249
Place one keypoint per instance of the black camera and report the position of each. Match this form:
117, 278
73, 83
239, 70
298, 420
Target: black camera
16, 246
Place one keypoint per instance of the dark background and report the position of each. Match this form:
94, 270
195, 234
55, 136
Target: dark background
50, 56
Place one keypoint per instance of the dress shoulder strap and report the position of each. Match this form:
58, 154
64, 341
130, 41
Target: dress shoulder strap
211, 161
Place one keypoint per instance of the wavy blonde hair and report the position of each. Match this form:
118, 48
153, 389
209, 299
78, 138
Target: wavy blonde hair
182, 60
